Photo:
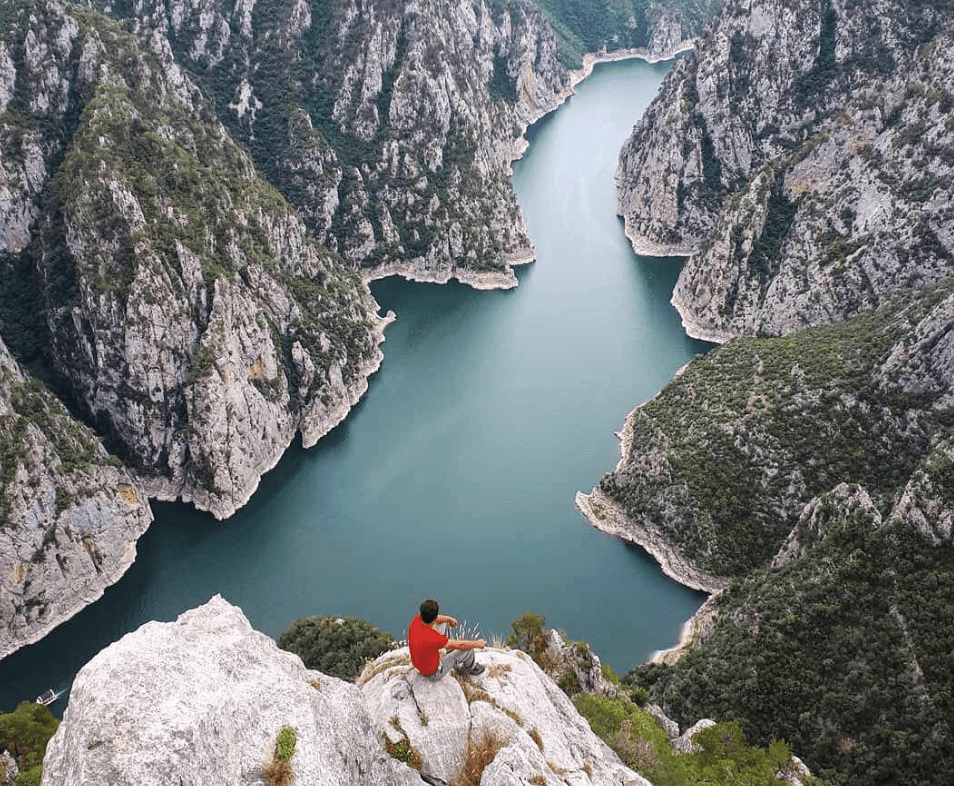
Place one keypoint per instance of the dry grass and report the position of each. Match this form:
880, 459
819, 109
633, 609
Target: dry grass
277, 773
373, 668
478, 756
557, 769
588, 769
535, 736
538, 780
514, 716
315, 683
498, 669
472, 691
636, 752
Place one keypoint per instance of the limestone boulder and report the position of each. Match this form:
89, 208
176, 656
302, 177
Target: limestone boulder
513, 707
202, 701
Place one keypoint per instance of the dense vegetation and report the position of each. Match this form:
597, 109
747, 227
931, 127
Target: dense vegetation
334, 645
593, 25
816, 469
759, 427
25, 733
724, 757
846, 653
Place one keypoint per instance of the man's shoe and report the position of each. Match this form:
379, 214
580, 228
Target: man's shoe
478, 669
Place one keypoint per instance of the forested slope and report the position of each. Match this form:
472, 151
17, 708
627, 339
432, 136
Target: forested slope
815, 473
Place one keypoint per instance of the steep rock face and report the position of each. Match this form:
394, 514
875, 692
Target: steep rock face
391, 126
202, 700
69, 514
539, 733
802, 158
406, 119
199, 325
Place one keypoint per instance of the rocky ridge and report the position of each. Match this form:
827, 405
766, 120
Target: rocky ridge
406, 116
805, 191
773, 466
70, 515
204, 699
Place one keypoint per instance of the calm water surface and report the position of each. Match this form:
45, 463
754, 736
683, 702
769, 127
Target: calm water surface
455, 476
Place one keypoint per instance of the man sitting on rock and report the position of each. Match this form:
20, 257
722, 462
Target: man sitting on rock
425, 641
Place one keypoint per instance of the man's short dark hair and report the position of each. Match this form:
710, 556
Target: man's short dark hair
429, 610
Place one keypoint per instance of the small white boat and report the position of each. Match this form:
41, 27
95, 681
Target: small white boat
47, 697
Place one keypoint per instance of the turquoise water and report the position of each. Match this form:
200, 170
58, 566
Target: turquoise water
455, 475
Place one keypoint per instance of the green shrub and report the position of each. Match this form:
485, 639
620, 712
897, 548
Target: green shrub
25, 732
285, 746
278, 772
335, 646
405, 752
529, 635
639, 696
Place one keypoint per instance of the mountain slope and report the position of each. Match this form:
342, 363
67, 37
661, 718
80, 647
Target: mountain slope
803, 158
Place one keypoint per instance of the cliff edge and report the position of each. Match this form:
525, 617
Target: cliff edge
204, 699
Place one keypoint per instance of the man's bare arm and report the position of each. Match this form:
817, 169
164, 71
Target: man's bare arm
444, 619
466, 644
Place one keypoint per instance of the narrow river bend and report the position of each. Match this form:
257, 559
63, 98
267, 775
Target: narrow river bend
455, 476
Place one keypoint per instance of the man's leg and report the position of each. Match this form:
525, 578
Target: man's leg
463, 660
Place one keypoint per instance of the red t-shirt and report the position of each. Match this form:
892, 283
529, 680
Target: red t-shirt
425, 643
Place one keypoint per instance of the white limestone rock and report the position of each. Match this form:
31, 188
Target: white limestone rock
542, 734
69, 516
803, 193
575, 667
8, 769
685, 743
201, 701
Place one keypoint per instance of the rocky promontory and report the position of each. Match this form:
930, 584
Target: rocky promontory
203, 700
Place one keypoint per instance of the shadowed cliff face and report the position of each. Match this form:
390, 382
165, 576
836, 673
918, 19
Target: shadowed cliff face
803, 158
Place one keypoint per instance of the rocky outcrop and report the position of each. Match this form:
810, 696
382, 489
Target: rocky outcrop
805, 191
513, 706
70, 515
203, 699
406, 118
8, 769
574, 666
